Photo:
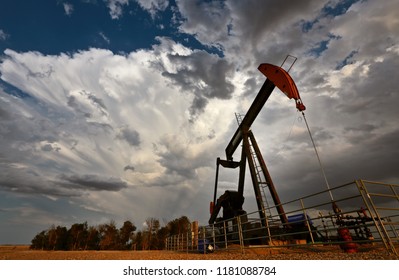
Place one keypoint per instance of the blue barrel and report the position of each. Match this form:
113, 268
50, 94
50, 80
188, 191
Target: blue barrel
299, 219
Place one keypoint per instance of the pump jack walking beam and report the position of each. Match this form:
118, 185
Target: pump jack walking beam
249, 117
276, 76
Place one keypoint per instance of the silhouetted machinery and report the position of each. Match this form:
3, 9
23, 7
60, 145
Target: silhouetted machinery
232, 201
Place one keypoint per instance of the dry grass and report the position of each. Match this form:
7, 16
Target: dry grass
300, 253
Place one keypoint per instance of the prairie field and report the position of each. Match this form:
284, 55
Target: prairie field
22, 252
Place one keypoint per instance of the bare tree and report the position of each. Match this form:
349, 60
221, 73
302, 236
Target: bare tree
109, 235
77, 236
93, 239
150, 235
126, 234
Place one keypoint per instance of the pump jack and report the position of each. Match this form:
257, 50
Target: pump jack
232, 201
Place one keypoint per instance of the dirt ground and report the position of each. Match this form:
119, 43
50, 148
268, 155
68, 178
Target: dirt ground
19, 252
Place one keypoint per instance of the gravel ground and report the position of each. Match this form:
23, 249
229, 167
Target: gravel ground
300, 253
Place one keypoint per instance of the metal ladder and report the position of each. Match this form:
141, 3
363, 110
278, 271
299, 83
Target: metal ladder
262, 183
260, 176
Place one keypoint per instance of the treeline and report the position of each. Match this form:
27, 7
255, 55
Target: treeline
109, 237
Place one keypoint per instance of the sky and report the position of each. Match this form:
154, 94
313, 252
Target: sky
114, 110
